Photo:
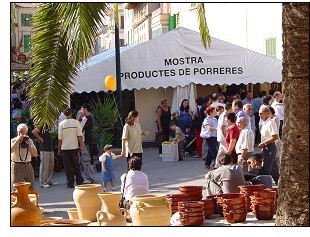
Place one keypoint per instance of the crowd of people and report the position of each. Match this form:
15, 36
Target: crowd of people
225, 131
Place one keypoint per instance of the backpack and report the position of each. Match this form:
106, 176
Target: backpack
200, 116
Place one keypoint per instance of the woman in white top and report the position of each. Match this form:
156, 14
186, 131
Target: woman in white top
136, 182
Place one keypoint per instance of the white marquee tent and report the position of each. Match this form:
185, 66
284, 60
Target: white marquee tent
178, 58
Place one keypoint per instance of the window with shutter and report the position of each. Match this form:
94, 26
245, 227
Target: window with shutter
26, 19
271, 47
27, 45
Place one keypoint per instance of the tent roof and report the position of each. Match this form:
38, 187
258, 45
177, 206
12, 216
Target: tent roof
178, 58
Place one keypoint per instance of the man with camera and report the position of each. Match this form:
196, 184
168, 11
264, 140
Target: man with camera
22, 149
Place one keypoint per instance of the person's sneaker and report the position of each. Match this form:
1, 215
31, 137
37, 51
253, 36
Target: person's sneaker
161, 155
105, 190
196, 156
54, 183
89, 181
113, 189
45, 186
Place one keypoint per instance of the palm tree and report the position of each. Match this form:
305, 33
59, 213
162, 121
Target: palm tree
64, 36
293, 201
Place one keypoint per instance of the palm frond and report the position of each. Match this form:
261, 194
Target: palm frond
81, 23
203, 26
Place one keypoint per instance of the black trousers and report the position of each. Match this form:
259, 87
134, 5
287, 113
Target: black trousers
270, 162
72, 167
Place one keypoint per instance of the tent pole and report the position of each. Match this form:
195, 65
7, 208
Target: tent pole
118, 80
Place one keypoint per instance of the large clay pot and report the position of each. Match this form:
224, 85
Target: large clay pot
150, 211
86, 199
23, 211
112, 215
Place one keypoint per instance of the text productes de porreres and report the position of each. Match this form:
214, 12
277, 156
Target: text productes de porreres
182, 71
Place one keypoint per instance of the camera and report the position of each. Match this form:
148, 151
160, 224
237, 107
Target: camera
23, 144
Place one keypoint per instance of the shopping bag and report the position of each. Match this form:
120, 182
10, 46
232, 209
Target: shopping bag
170, 151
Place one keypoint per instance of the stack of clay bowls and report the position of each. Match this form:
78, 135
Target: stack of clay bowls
276, 190
219, 204
191, 213
263, 204
248, 190
194, 192
175, 199
208, 205
234, 207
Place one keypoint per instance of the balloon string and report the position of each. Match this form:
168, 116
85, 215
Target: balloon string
119, 116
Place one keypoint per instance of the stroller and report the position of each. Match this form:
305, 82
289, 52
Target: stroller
189, 146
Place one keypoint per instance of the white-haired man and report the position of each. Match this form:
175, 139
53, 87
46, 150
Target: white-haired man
22, 149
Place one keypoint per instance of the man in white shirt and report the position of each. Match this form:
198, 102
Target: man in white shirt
279, 109
245, 143
269, 135
70, 143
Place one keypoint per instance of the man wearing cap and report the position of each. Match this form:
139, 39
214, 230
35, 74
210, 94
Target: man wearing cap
70, 143
269, 135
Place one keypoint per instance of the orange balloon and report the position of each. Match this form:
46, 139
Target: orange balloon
110, 83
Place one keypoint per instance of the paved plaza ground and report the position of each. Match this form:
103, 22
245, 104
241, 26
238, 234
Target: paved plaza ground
164, 178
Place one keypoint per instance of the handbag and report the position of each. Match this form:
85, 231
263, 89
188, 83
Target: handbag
122, 200
159, 138
205, 132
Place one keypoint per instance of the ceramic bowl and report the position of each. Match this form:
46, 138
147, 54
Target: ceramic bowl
235, 206
190, 209
191, 193
177, 197
190, 204
262, 200
190, 188
235, 218
256, 207
266, 215
68, 222
208, 212
49, 219
192, 221
240, 210
190, 214
208, 205
195, 197
265, 194
234, 201
252, 187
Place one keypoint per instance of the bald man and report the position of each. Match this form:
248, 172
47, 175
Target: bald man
245, 143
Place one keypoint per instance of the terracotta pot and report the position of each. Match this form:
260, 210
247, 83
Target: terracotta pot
208, 205
190, 188
143, 214
67, 222
190, 209
192, 221
87, 201
112, 215
263, 215
233, 199
265, 194
195, 197
73, 214
252, 187
191, 204
177, 197
23, 211
235, 217
151, 199
213, 197
191, 193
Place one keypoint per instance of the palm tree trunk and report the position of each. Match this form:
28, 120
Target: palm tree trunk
293, 201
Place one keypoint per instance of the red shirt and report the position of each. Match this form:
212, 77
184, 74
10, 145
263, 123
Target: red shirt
232, 133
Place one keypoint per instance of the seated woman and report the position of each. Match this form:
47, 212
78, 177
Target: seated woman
134, 182
226, 178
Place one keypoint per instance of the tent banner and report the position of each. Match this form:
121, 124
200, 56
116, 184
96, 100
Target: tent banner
178, 58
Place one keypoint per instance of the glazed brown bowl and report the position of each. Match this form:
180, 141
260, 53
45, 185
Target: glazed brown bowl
190, 214
263, 208
195, 197
231, 200
208, 205
177, 197
240, 210
262, 200
266, 215
208, 212
265, 194
190, 209
190, 204
235, 218
192, 221
255, 187
190, 188
191, 193
235, 206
